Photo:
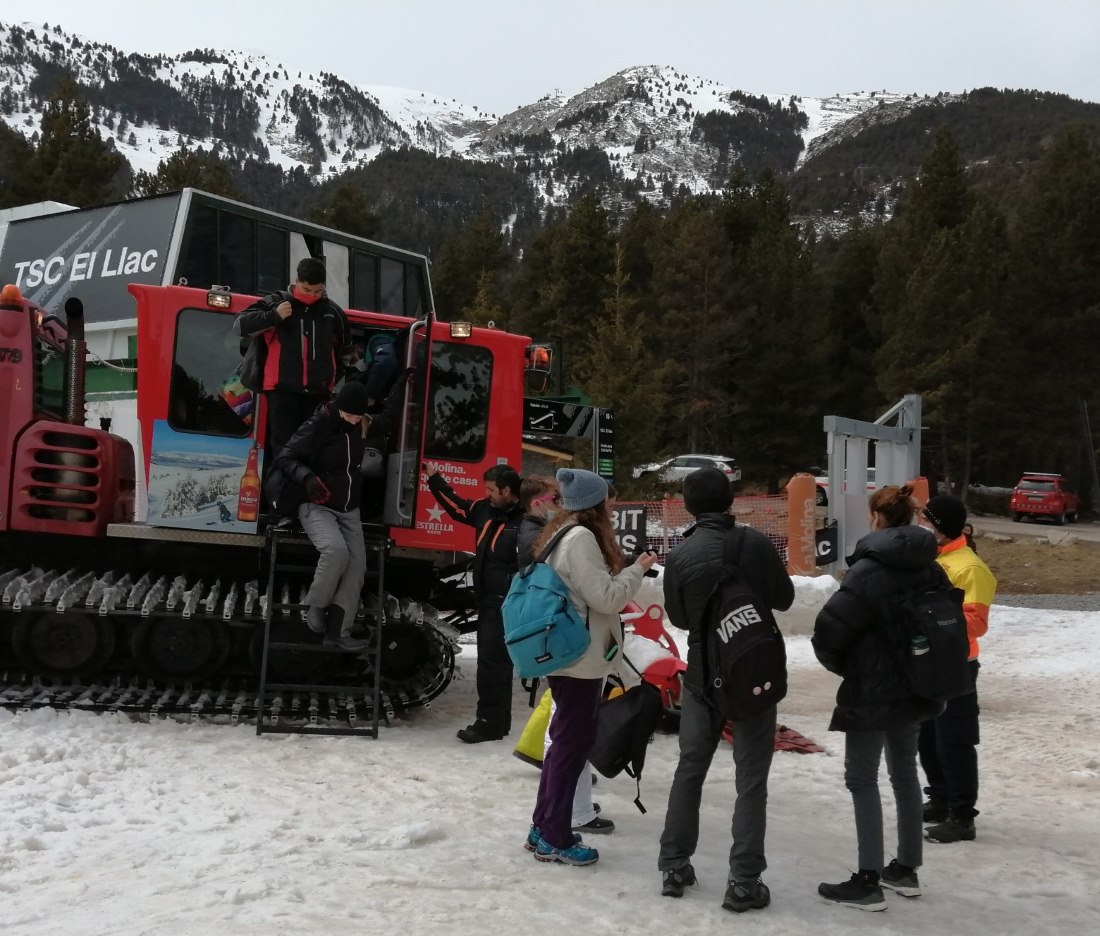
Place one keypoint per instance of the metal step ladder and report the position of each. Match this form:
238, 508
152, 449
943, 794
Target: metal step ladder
292, 553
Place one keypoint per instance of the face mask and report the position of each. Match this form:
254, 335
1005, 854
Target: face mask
551, 513
344, 424
302, 297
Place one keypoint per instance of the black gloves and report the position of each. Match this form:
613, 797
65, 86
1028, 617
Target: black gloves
316, 490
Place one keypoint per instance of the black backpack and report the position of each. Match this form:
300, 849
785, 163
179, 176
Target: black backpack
624, 725
744, 658
927, 633
253, 360
254, 352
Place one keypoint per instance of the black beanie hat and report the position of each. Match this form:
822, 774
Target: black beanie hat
707, 490
948, 515
352, 399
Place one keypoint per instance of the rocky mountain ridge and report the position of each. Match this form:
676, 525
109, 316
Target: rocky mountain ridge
651, 127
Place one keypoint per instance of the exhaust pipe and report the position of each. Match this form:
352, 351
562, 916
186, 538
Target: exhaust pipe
76, 356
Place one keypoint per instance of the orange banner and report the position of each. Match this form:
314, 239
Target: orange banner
801, 525
920, 490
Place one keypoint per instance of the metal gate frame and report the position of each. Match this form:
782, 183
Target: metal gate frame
897, 451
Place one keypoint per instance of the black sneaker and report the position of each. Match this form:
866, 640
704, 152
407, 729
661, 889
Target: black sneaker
900, 879
953, 830
860, 891
935, 811
676, 879
747, 895
597, 826
479, 731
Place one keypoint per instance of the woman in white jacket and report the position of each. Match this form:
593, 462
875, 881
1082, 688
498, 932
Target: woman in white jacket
590, 563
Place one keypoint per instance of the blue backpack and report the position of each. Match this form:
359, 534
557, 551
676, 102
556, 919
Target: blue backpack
542, 630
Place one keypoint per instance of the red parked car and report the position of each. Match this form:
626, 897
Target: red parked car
1039, 494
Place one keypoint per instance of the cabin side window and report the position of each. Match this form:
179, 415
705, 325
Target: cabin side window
364, 281
458, 402
198, 262
272, 260
392, 281
415, 301
205, 395
237, 252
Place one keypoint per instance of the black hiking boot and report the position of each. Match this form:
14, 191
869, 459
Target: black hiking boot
479, 731
747, 895
935, 811
900, 879
954, 829
598, 826
676, 879
860, 891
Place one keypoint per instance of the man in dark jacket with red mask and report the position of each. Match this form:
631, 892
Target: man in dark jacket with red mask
307, 339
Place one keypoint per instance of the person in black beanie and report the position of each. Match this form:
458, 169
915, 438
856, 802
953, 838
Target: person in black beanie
690, 573
949, 742
322, 458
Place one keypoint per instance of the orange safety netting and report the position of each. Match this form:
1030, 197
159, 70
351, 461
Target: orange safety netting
667, 520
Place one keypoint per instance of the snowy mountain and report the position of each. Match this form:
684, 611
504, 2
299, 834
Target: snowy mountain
648, 123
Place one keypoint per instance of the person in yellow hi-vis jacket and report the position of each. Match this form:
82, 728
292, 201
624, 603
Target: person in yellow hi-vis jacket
948, 743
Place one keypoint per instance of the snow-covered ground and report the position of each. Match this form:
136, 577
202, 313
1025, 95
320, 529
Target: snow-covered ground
112, 826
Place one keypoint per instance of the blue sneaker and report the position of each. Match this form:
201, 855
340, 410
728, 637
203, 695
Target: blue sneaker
533, 837
577, 854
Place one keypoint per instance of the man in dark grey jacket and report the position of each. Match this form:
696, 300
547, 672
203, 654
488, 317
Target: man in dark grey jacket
690, 574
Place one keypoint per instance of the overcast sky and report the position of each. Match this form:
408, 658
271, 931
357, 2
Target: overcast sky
500, 54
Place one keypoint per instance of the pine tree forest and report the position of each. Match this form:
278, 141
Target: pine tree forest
725, 322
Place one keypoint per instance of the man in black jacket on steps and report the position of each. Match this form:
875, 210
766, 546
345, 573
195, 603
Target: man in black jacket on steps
322, 459
495, 519
691, 571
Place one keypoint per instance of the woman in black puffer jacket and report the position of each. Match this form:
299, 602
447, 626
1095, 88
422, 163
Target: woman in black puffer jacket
875, 706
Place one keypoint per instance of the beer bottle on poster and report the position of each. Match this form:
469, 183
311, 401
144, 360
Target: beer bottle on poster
248, 499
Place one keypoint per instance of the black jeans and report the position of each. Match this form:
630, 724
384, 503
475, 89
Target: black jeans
949, 755
286, 411
494, 668
753, 747
862, 753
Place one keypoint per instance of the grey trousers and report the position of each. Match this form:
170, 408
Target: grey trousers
862, 752
341, 567
753, 747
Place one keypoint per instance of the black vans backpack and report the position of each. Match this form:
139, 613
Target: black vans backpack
744, 657
927, 631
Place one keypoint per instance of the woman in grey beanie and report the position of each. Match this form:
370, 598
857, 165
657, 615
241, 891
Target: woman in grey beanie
590, 563
580, 489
